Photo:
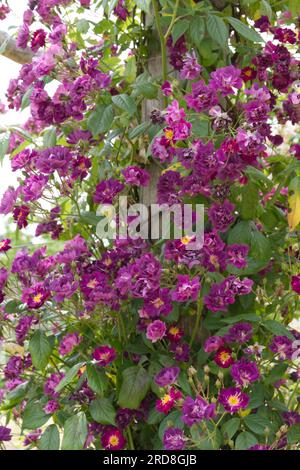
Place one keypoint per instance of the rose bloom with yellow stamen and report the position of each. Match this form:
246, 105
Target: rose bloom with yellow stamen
233, 399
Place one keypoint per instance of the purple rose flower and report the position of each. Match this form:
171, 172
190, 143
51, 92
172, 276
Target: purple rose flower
233, 399
107, 190
191, 69
167, 88
282, 346
213, 344
51, 407
295, 284
156, 331
239, 333
5, 434
136, 176
173, 439
167, 376
226, 79
244, 372
236, 255
221, 215
186, 289
194, 411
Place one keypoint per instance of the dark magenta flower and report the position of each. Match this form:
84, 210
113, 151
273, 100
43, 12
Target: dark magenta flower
136, 176
38, 40
223, 357
194, 411
5, 245
291, 417
34, 187
248, 74
221, 215
35, 296
174, 333
186, 288
167, 88
295, 283
156, 331
259, 447
4, 10
182, 351
107, 190
236, 255
239, 333
121, 11
233, 399
5, 434
32, 437
104, 355
51, 407
168, 401
244, 372
263, 24
113, 439
226, 79
68, 343
213, 343
23, 36
20, 214
51, 384
173, 439
191, 69
167, 376
202, 98
282, 346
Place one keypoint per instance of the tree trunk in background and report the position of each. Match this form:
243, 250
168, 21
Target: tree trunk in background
9, 49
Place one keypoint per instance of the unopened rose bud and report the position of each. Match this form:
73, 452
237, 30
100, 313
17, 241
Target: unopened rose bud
220, 375
231, 444
218, 384
206, 369
192, 371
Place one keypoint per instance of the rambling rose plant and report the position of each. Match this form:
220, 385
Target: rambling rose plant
139, 344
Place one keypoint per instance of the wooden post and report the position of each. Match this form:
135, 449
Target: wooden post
10, 50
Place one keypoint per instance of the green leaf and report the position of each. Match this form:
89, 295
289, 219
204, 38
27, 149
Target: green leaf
97, 379
83, 25
26, 98
69, 377
257, 424
75, 432
40, 348
4, 144
130, 69
135, 385
102, 411
293, 434
49, 138
126, 103
197, 30
276, 373
34, 416
230, 427
143, 5
100, 120
294, 203
245, 440
179, 29
50, 439
138, 130
217, 30
245, 30
250, 201
277, 328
